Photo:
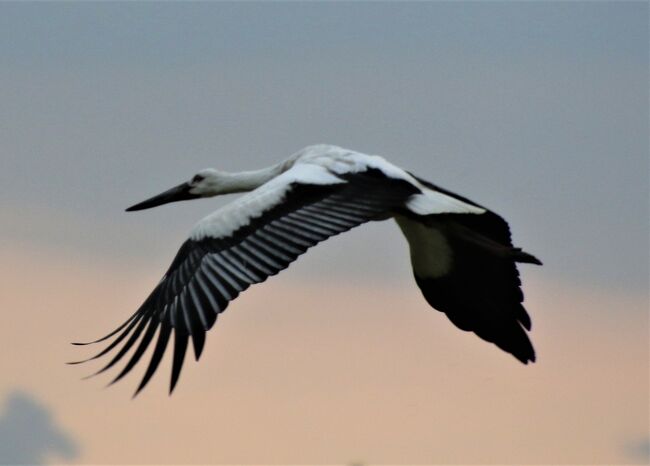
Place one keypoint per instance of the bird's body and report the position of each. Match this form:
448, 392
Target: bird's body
462, 257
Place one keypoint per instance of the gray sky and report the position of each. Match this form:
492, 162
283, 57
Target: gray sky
539, 111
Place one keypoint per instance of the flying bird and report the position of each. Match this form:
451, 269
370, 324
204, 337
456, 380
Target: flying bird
462, 255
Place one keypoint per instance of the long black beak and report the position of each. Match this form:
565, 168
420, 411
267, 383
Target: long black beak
177, 193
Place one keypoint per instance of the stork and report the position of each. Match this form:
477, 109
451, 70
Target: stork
462, 256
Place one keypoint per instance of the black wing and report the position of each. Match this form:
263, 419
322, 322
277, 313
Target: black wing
481, 291
209, 273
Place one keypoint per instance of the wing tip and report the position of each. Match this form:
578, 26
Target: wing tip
530, 358
73, 363
181, 340
525, 353
526, 258
86, 377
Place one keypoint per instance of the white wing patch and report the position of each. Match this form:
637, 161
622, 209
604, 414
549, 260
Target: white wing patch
432, 202
229, 218
341, 161
431, 254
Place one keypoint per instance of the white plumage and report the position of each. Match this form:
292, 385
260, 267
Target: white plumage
462, 256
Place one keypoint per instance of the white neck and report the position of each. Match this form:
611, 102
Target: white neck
226, 183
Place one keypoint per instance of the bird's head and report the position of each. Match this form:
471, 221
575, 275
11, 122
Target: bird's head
205, 183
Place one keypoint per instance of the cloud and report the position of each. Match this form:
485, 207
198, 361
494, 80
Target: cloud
29, 434
639, 450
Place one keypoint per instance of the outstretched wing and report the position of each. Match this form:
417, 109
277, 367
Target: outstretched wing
465, 266
256, 236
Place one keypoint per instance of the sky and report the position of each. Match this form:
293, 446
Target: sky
28, 432
537, 110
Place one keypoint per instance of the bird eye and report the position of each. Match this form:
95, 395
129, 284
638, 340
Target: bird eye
197, 179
